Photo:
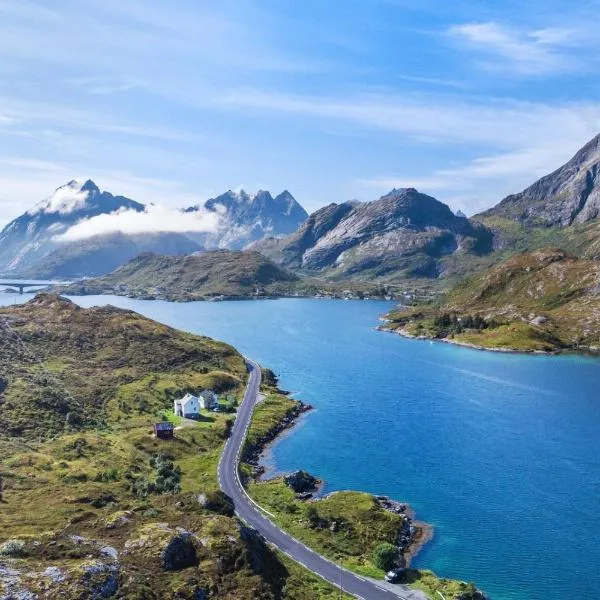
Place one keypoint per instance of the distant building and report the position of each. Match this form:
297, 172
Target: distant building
164, 431
189, 406
208, 399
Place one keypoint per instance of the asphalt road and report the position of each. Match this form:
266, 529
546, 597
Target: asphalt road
258, 518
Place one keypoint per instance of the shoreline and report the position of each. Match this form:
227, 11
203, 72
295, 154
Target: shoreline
585, 351
419, 532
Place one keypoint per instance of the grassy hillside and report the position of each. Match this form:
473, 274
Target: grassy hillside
542, 300
199, 276
92, 504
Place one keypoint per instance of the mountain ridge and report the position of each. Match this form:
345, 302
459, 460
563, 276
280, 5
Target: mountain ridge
568, 195
403, 230
247, 218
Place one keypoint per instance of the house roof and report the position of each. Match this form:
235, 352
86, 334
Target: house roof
187, 398
164, 426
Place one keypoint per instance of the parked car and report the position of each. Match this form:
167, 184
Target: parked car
395, 575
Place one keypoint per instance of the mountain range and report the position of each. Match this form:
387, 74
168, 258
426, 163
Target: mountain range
32, 236
403, 235
31, 244
249, 218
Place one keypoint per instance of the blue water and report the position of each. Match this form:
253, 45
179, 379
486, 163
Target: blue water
501, 453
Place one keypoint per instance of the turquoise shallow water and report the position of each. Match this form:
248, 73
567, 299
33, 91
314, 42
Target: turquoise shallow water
501, 453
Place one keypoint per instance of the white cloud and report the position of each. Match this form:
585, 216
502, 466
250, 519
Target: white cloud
534, 52
153, 219
65, 199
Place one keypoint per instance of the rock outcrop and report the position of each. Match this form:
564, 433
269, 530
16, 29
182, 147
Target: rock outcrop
246, 218
301, 482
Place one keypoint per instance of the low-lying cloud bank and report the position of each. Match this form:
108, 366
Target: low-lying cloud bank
153, 219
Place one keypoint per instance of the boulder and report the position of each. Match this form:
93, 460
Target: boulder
301, 482
179, 553
170, 548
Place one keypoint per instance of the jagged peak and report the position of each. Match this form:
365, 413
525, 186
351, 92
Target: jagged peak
67, 198
397, 192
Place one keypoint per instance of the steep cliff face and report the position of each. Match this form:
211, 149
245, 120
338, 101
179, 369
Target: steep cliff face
404, 233
568, 196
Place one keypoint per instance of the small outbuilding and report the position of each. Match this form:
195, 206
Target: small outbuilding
164, 430
189, 406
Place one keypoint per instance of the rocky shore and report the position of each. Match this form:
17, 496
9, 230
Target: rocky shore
454, 342
413, 535
253, 452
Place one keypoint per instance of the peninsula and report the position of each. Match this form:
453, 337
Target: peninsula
540, 301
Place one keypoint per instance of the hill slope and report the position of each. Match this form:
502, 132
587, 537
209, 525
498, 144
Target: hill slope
234, 274
541, 300
93, 506
102, 254
403, 234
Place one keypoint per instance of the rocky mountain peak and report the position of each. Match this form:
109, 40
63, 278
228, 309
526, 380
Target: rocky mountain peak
67, 198
246, 218
569, 195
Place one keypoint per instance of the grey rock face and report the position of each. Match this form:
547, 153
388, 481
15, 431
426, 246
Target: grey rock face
403, 230
569, 195
246, 219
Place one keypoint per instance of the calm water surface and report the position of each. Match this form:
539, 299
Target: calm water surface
501, 453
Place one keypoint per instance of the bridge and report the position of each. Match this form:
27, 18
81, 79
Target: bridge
21, 285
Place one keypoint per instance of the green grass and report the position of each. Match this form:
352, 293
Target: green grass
120, 372
516, 336
304, 585
362, 524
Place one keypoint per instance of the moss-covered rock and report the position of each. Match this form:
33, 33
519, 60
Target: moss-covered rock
170, 548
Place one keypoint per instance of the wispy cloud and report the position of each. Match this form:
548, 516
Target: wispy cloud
439, 120
535, 52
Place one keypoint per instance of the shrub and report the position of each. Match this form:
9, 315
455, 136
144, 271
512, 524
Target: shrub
13, 548
167, 481
385, 556
108, 475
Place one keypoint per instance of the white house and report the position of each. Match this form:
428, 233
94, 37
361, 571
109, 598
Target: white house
208, 399
189, 406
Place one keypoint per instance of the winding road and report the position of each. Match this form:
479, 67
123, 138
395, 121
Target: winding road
258, 518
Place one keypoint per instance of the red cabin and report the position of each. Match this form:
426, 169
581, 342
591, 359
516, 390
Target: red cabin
164, 431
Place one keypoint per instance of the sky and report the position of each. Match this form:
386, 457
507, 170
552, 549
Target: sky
176, 102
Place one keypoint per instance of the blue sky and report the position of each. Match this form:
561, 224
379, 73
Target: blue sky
172, 102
